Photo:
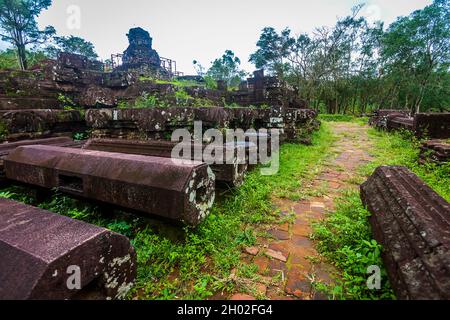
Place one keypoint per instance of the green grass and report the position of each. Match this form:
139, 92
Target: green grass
345, 237
343, 118
403, 150
195, 263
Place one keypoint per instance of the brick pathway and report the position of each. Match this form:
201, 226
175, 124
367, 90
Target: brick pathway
290, 255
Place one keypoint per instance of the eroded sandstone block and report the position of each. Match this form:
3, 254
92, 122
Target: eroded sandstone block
412, 222
159, 123
42, 123
177, 190
432, 125
40, 250
6, 148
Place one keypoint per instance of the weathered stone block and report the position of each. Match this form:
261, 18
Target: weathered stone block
28, 103
40, 250
6, 148
412, 222
432, 125
26, 124
177, 190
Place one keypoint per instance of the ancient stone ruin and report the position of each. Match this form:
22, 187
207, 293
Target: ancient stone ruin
232, 173
121, 159
140, 55
412, 222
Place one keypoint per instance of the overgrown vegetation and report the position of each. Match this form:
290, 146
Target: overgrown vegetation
9, 60
345, 239
179, 98
343, 118
194, 263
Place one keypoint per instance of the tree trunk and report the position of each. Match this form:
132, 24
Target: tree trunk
22, 57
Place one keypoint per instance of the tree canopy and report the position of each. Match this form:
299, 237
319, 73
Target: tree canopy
19, 27
356, 66
227, 68
72, 44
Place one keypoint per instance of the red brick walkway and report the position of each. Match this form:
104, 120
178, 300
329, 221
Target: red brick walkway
288, 263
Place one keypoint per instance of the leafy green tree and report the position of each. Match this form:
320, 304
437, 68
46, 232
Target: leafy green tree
19, 27
415, 50
227, 69
273, 49
356, 66
72, 44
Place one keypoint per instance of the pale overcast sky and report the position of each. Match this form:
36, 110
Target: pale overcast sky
203, 29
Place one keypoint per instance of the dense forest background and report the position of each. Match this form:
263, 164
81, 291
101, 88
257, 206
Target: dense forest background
353, 67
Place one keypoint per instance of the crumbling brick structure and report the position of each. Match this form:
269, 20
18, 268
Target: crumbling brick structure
42, 123
159, 123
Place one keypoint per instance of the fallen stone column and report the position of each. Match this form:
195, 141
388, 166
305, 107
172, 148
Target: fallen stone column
6, 148
412, 222
41, 253
232, 174
178, 190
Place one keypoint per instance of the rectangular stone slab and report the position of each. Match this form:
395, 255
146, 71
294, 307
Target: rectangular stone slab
38, 249
412, 222
232, 174
174, 189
